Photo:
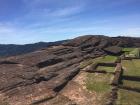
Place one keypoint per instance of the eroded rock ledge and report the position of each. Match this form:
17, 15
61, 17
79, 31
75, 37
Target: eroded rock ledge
37, 77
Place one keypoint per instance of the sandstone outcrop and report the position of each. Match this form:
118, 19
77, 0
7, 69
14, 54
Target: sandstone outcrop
37, 77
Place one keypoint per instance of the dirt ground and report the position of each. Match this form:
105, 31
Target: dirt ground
77, 92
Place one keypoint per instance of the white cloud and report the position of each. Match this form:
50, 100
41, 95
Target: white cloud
53, 19
67, 11
49, 11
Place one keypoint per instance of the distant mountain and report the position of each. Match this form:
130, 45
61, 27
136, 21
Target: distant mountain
13, 49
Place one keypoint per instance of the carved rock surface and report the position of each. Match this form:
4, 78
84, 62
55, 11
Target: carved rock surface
113, 50
37, 77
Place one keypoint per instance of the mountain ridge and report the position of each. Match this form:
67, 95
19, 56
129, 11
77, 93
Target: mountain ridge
15, 49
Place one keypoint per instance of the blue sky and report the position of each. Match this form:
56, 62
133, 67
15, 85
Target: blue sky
28, 21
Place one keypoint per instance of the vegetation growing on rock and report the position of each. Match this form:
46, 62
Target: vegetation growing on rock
39, 76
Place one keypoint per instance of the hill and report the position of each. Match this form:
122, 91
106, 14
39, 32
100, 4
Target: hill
12, 49
76, 72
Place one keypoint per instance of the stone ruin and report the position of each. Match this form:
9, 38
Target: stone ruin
39, 76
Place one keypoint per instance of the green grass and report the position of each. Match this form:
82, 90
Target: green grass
128, 49
135, 53
98, 82
108, 58
126, 97
88, 62
99, 85
136, 63
131, 84
132, 52
106, 68
104, 59
132, 68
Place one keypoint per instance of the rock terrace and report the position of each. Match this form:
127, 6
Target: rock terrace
38, 77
